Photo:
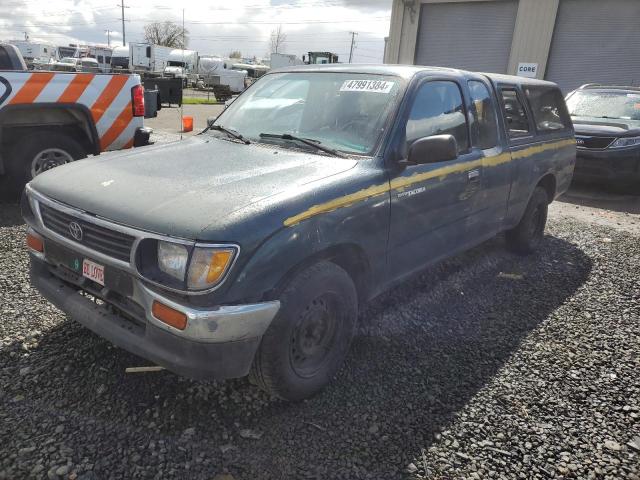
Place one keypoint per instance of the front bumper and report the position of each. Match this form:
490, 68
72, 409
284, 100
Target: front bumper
608, 165
233, 337
197, 360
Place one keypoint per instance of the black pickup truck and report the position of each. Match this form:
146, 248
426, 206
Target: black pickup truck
250, 248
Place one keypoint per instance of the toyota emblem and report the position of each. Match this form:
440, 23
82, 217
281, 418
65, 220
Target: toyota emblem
75, 230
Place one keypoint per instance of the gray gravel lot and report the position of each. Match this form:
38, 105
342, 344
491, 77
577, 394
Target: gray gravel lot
487, 366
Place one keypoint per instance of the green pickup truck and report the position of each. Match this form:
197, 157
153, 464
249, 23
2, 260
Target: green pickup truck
251, 247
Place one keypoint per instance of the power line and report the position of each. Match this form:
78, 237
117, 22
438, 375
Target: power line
300, 4
277, 22
301, 22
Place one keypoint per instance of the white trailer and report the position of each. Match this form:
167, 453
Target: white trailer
36, 55
145, 57
281, 60
102, 54
219, 71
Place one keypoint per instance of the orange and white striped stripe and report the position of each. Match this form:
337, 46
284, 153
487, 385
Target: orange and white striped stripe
108, 98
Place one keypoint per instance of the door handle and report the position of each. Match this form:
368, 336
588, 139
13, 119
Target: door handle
473, 175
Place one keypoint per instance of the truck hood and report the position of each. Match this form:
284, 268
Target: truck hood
183, 188
606, 127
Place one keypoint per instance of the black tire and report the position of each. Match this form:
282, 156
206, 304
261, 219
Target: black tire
23, 153
527, 236
292, 363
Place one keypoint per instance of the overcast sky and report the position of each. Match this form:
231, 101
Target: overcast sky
215, 27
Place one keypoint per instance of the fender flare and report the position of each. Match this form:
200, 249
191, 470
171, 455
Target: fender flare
94, 138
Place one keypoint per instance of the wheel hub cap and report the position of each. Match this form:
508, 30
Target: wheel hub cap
48, 159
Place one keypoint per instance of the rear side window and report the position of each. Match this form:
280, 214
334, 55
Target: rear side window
514, 113
484, 130
438, 110
548, 109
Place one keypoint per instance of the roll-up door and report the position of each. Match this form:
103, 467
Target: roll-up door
595, 41
468, 35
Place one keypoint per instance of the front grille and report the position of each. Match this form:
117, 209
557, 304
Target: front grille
103, 240
594, 142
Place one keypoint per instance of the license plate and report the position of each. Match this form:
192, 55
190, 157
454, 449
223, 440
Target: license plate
93, 271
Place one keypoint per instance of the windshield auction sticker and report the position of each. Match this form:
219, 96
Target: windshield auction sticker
375, 86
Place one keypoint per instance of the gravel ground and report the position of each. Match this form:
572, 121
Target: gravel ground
487, 366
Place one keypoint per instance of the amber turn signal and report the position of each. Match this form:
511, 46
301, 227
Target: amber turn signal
169, 315
35, 243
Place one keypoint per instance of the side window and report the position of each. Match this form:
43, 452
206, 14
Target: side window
437, 109
514, 113
548, 109
484, 130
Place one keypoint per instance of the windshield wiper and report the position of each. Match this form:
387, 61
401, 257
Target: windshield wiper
229, 131
306, 141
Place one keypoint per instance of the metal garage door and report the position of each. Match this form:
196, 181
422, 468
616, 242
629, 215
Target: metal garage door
469, 35
595, 41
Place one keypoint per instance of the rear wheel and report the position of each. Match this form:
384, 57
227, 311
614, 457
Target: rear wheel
527, 236
34, 154
308, 340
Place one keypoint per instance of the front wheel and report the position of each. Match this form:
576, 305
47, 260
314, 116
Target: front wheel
308, 340
527, 236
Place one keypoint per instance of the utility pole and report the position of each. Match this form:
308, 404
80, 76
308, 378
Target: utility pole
108, 32
124, 37
353, 42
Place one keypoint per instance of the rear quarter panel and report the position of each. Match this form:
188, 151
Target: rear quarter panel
533, 161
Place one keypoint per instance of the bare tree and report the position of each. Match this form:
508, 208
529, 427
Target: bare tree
167, 34
235, 54
278, 37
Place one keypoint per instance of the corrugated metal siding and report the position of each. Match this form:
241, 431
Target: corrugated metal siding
469, 35
595, 41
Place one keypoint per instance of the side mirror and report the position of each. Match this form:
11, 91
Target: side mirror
437, 148
211, 121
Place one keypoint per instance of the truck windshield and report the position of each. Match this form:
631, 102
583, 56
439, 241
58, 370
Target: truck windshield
616, 105
342, 111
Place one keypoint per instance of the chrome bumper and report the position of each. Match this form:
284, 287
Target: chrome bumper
219, 324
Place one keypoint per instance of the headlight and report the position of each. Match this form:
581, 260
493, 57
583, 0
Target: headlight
625, 142
172, 259
194, 268
208, 266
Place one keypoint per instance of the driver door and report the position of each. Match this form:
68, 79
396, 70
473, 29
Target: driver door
432, 204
